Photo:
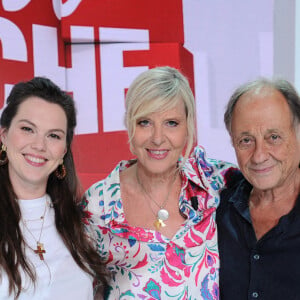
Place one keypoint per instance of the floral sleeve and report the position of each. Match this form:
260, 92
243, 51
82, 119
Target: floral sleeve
215, 174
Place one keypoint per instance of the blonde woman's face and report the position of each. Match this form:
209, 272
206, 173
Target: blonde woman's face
159, 139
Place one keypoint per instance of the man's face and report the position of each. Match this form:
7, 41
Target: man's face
265, 140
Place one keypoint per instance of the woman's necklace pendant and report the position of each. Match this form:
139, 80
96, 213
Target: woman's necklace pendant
159, 223
40, 250
163, 214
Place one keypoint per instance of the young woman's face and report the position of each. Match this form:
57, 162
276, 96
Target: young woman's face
36, 144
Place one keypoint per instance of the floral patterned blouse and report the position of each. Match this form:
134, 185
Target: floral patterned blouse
144, 263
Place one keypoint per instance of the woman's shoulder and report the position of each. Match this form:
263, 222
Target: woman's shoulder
199, 159
110, 181
210, 171
105, 193
200, 156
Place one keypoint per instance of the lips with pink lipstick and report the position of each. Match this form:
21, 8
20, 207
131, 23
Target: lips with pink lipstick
157, 154
34, 160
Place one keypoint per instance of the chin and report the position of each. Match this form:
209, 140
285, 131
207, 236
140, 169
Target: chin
265, 185
158, 171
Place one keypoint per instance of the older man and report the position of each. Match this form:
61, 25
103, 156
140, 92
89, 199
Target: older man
259, 216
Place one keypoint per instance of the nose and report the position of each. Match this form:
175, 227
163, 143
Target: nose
39, 143
260, 152
158, 136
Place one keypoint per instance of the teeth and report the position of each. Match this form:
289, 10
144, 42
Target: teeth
35, 159
158, 152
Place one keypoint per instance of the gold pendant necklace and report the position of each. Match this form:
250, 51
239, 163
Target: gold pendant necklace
40, 250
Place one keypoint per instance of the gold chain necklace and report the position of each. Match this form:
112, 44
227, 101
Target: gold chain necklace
162, 214
40, 250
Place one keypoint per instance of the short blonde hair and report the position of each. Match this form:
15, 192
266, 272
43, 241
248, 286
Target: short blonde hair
160, 89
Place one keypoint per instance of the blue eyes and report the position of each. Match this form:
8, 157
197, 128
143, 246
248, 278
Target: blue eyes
143, 123
172, 123
146, 123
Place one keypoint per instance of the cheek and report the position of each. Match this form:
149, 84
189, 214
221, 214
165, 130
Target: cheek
134, 145
140, 138
132, 148
180, 141
59, 151
183, 144
183, 139
242, 157
15, 144
285, 152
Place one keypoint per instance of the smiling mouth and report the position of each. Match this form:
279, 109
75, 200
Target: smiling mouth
157, 154
34, 159
262, 170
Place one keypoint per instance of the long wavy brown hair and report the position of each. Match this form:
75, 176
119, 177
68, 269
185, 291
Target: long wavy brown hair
65, 195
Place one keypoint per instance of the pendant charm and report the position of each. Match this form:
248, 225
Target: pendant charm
40, 250
163, 214
159, 223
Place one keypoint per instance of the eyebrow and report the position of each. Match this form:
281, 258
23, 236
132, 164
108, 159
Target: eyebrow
32, 124
244, 133
268, 131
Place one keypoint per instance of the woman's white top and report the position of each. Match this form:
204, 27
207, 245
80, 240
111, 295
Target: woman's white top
58, 275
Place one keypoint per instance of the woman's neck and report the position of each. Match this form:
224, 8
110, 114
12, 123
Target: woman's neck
28, 192
148, 180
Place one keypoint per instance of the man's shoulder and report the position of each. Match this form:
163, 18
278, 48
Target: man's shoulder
235, 183
234, 178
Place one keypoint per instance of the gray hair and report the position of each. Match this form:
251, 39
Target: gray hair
159, 89
282, 86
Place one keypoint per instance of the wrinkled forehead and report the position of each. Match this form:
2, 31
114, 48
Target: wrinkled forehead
267, 109
262, 100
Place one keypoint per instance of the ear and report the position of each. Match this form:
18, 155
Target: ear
3, 135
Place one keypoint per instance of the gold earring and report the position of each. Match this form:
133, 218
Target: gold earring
3, 155
61, 171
